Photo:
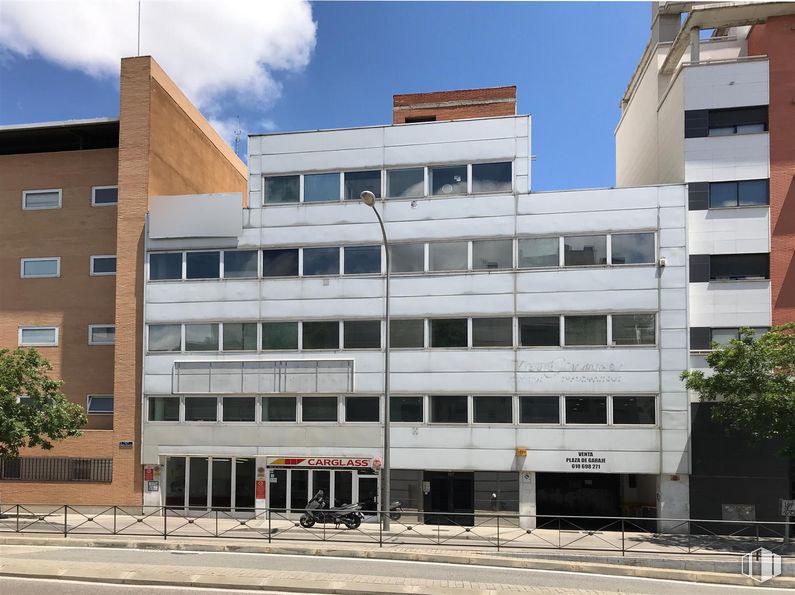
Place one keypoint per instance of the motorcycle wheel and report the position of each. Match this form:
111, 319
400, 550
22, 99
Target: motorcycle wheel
395, 516
353, 522
306, 521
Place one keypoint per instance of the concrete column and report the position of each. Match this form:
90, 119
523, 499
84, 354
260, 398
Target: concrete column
260, 475
673, 502
527, 499
695, 44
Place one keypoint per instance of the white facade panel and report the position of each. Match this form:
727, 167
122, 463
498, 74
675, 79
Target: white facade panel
731, 84
730, 304
729, 231
719, 158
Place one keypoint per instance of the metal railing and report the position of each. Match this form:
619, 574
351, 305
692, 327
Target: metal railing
491, 531
56, 469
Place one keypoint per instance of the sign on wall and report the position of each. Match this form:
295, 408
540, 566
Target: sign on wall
586, 460
323, 462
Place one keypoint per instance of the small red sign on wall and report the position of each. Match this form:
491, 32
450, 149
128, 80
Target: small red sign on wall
149, 473
260, 491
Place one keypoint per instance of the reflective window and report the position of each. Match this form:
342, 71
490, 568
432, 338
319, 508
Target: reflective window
448, 256
405, 409
724, 336
492, 254
362, 259
41, 267
357, 182
449, 410
41, 199
634, 329
321, 187
539, 410
585, 330
163, 409
405, 183
634, 410
492, 332
319, 409
240, 264
321, 261
165, 265
280, 189
280, 262
104, 195
492, 410
202, 265
723, 194
739, 266
201, 337
279, 336
240, 336
739, 193
103, 265
362, 408
539, 252
201, 409
362, 334
101, 334
97, 404
449, 332
539, 331
584, 250
407, 334
449, 180
738, 120
632, 248
165, 337
239, 408
278, 409
586, 410
492, 177
321, 335
407, 258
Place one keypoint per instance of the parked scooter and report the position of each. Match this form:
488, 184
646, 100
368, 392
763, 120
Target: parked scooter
317, 511
395, 509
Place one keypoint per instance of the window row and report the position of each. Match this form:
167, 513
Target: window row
50, 266
47, 336
702, 337
726, 122
729, 267
95, 404
52, 198
411, 182
458, 255
722, 195
419, 333
433, 409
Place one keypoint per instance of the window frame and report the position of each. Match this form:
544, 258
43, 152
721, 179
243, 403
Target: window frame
520, 239
471, 176
302, 188
298, 263
345, 400
656, 410
501, 424
219, 340
25, 194
22, 328
300, 418
459, 424
300, 195
181, 328
606, 397
93, 259
302, 261
257, 273
354, 247
188, 253
181, 266
557, 423
222, 416
91, 328
184, 409
180, 416
632, 233
88, 405
94, 202
387, 187
24, 260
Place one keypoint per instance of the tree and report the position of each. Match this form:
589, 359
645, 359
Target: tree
46, 416
753, 385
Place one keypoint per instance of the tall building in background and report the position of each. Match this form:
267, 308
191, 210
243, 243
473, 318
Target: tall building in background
73, 199
712, 104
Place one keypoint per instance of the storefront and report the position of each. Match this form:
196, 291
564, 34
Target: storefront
206, 482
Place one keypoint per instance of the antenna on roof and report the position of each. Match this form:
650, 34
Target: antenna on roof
238, 132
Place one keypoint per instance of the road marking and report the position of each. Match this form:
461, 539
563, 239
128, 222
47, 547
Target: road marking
140, 587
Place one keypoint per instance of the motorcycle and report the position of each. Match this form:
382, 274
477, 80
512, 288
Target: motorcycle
317, 511
395, 509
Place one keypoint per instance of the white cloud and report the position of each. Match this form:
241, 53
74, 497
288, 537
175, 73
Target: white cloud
209, 47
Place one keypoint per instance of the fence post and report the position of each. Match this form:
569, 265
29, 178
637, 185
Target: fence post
269, 525
114, 518
498, 533
165, 522
65, 527
380, 530
17, 518
622, 537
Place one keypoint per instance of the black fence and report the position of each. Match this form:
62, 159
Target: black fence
56, 469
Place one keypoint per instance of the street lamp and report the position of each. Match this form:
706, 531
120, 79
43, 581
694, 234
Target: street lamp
368, 198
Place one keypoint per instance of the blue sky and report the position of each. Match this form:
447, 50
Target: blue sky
570, 62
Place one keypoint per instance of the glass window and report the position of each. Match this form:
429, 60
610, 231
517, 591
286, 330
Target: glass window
362, 334
165, 265
321, 335
449, 332
634, 329
165, 337
321, 261
202, 265
405, 183
739, 266
407, 334
101, 334
201, 337
448, 256
407, 258
239, 408
278, 409
103, 265
539, 331
201, 409
41, 199
240, 264
405, 409
357, 182
722, 194
584, 250
492, 332
278, 336
362, 408
41, 267
362, 259
754, 192
280, 189
35, 336
632, 248
449, 410
163, 408
104, 195
449, 180
492, 177
492, 254
586, 410
319, 409
634, 410
492, 410
97, 404
240, 336
280, 262
586, 330
539, 410
539, 252
321, 187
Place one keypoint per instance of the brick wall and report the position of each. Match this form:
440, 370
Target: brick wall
454, 105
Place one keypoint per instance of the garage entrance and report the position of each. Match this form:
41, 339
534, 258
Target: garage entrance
447, 493
578, 494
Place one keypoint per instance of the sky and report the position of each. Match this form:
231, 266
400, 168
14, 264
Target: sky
290, 65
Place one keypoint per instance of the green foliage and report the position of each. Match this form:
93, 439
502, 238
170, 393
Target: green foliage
46, 417
752, 381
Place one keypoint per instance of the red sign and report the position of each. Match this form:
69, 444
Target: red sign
260, 489
149, 473
319, 462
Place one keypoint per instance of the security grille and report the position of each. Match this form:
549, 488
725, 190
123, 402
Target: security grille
56, 469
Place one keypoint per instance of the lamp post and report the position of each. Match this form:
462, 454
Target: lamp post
368, 198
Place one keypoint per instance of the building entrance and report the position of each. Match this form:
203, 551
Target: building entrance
210, 483
290, 489
448, 493
579, 494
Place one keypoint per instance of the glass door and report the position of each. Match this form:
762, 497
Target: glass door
368, 492
278, 489
197, 482
175, 478
299, 489
343, 487
222, 484
244, 484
